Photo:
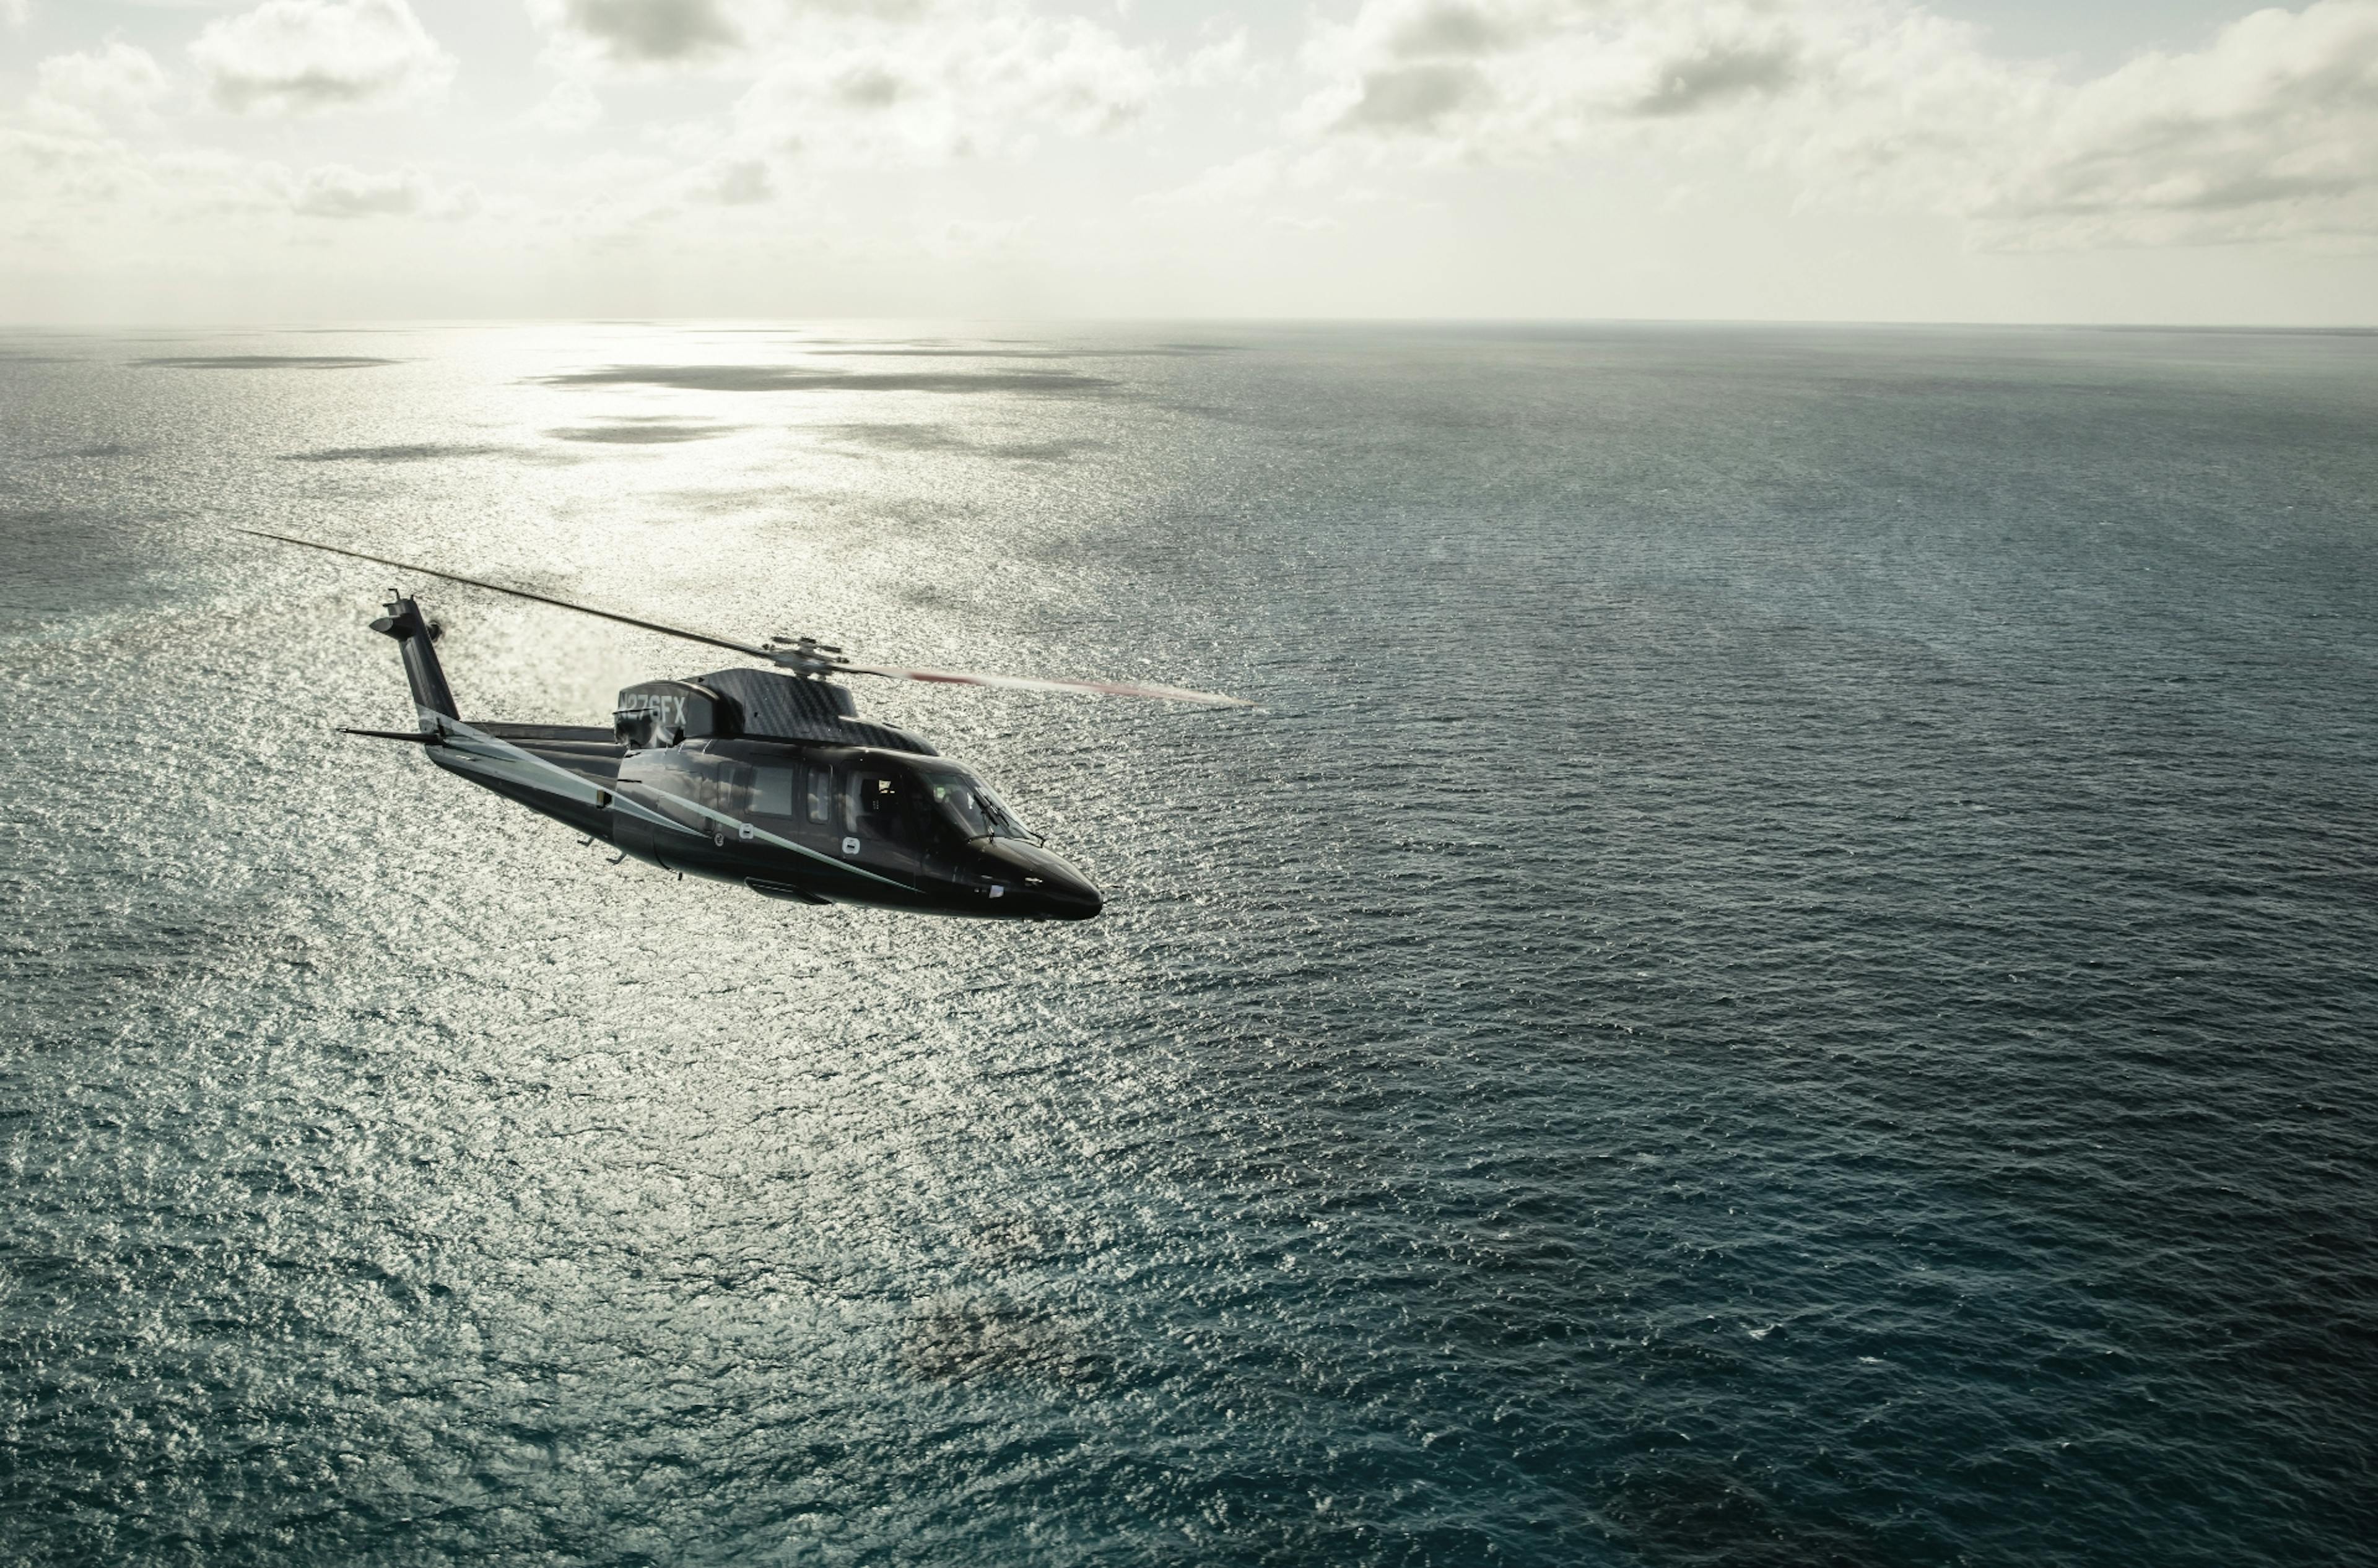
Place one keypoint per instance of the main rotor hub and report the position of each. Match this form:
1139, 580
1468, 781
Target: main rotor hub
806, 654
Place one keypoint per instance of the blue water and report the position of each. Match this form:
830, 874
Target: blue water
1785, 977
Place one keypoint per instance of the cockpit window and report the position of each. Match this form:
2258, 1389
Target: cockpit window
968, 802
874, 808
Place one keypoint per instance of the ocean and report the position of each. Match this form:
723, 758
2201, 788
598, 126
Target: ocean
1783, 975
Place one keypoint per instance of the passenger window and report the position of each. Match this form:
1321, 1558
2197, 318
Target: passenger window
731, 788
773, 796
821, 794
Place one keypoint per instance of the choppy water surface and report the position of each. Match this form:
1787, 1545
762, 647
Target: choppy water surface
1785, 979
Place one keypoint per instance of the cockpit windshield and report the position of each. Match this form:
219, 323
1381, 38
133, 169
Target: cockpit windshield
968, 802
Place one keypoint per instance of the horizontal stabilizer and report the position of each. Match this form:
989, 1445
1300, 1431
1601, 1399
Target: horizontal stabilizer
418, 737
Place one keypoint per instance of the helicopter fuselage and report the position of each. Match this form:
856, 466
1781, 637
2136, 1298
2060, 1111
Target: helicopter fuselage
807, 820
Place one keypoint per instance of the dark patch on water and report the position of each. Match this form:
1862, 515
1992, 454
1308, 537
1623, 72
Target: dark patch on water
797, 378
644, 430
1159, 350
265, 362
936, 352
927, 438
900, 438
417, 451
103, 449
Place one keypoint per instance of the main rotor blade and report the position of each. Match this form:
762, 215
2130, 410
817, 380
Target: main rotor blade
1028, 683
522, 593
779, 656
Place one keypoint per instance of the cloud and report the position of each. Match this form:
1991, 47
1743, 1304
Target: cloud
570, 108
935, 83
115, 81
861, 83
2272, 129
739, 185
648, 31
1441, 29
337, 191
1413, 97
1257, 179
2268, 131
1516, 79
1227, 61
1719, 72
300, 56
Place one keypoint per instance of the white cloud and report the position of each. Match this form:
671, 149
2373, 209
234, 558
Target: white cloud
933, 83
1510, 79
2268, 131
1254, 179
570, 108
1227, 61
296, 56
97, 198
745, 183
81, 92
337, 191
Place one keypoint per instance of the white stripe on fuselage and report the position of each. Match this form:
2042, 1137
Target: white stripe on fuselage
476, 751
500, 758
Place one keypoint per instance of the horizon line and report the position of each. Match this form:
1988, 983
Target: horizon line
386, 323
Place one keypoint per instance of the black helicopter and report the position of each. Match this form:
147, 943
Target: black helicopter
768, 778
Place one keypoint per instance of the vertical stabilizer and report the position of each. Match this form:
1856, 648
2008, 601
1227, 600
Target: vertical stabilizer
430, 697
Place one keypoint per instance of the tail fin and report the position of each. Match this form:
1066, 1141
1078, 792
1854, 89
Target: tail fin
412, 635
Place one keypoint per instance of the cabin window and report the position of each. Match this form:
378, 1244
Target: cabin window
730, 788
771, 795
820, 792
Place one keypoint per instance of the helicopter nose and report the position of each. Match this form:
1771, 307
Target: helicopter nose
1079, 901
1049, 888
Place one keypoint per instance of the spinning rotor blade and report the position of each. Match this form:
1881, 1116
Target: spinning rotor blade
1029, 683
808, 657
523, 593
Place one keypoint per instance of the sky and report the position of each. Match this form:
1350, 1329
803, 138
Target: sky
309, 161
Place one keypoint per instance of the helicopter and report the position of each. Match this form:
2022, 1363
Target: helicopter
767, 778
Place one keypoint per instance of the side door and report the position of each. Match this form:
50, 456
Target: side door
728, 786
